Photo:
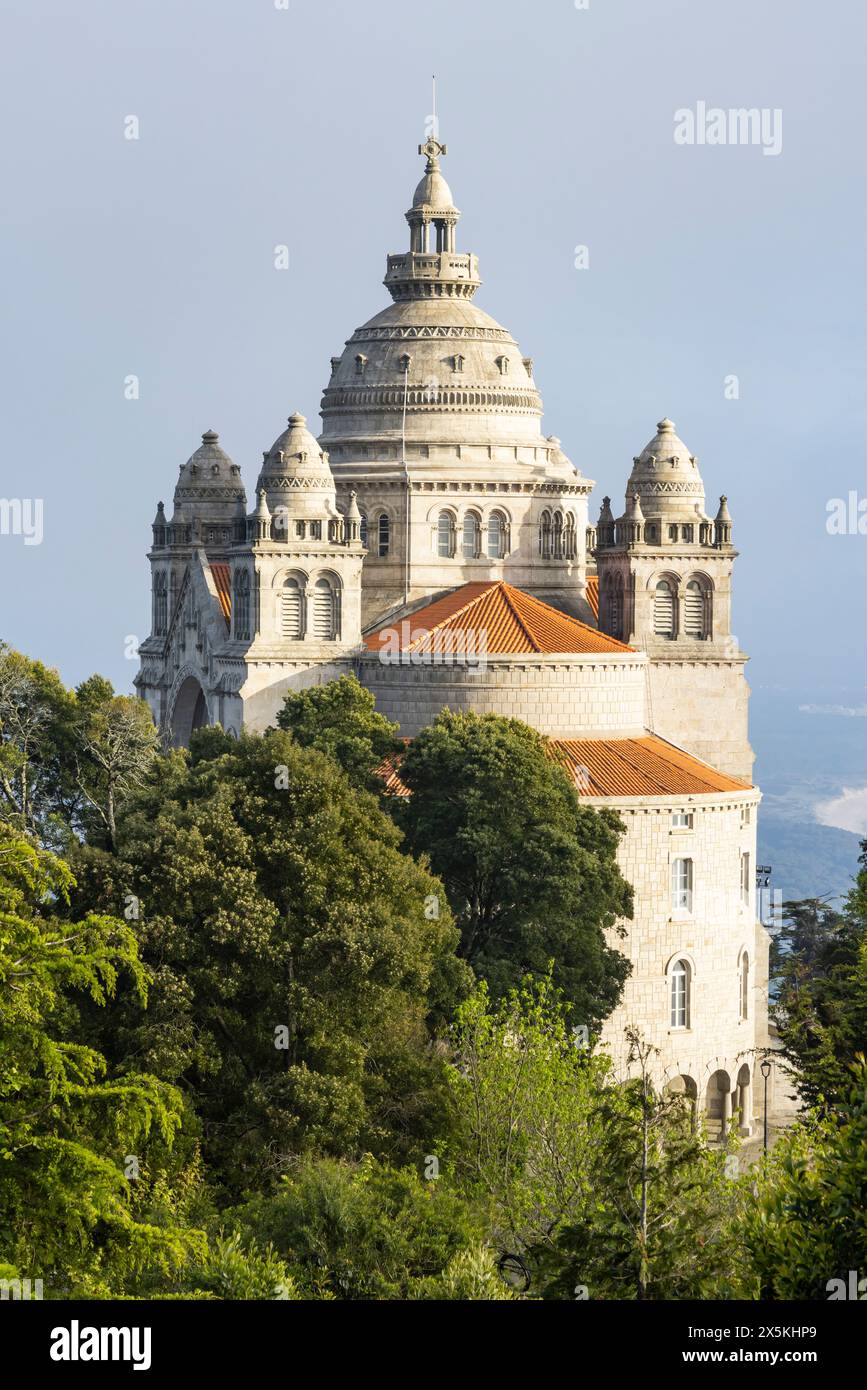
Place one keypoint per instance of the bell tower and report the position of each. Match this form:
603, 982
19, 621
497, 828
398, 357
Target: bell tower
665, 585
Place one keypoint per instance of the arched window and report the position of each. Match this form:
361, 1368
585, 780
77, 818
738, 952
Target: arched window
545, 536
445, 536
570, 549
496, 536
292, 610
471, 536
557, 539
680, 994
362, 530
241, 605
615, 606
324, 616
745, 986
663, 609
695, 611
384, 536
161, 606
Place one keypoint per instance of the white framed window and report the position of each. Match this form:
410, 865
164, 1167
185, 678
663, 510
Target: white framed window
445, 536
681, 885
496, 536
384, 536
680, 991
681, 820
746, 815
470, 536
745, 987
745, 879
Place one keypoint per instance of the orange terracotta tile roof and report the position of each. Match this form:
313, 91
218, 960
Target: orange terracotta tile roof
638, 767
592, 593
502, 620
222, 579
617, 767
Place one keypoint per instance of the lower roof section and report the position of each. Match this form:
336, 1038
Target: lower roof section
619, 768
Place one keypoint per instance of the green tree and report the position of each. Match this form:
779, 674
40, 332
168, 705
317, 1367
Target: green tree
37, 715
531, 873
115, 743
807, 1226
67, 1128
300, 959
820, 1006
340, 719
662, 1222
363, 1230
527, 1124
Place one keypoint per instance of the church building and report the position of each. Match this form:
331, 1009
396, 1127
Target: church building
434, 542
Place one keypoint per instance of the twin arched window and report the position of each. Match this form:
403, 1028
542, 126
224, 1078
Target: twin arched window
324, 610
696, 610
241, 605
558, 536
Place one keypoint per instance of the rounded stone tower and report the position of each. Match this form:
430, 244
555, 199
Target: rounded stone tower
665, 585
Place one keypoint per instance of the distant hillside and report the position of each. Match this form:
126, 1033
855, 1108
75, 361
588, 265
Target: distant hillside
809, 860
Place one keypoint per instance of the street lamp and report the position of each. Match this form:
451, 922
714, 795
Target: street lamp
766, 1071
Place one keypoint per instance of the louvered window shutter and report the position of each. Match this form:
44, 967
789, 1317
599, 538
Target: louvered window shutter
694, 610
663, 610
323, 611
291, 613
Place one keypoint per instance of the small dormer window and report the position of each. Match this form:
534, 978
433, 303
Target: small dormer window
360, 364
405, 362
458, 362
503, 364
528, 363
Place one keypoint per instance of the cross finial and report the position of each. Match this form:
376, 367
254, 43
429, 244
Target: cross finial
433, 149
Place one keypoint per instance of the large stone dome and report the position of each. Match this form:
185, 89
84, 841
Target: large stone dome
459, 378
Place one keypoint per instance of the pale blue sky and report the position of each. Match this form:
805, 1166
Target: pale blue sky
261, 126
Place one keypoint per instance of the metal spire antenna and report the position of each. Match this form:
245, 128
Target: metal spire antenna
435, 132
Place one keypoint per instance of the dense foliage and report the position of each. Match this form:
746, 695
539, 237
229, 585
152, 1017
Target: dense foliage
267, 1033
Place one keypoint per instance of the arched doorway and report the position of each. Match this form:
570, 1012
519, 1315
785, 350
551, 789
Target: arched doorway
684, 1085
718, 1106
189, 712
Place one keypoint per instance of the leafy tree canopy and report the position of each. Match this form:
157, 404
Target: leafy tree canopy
531, 874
